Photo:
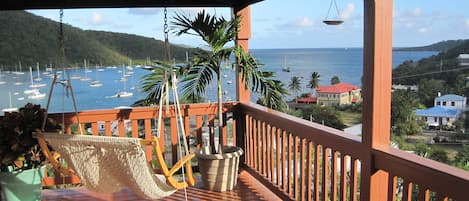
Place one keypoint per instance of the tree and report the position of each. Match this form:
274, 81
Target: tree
335, 80
326, 115
272, 98
295, 86
403, 119
429, 89
462, 158
218, 34
314, 82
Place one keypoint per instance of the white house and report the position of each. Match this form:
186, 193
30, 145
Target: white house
446, 110
463, 59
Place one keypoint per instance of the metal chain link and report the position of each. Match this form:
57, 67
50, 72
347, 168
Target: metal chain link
166, 37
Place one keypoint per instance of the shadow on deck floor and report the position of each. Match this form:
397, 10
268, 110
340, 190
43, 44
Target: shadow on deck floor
248, 188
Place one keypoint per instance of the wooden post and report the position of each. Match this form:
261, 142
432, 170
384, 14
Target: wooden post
242, 93
377, 76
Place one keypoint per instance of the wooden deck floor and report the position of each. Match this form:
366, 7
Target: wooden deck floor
248, 188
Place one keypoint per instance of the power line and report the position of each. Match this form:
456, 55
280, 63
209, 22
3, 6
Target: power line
430, 73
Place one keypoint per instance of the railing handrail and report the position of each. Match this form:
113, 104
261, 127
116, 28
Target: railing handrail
347, 143
140, 112
450, 180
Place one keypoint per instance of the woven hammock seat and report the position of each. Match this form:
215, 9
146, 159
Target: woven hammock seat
109, 164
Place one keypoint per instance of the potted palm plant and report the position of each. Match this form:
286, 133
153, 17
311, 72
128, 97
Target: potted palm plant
218, 165
21, 159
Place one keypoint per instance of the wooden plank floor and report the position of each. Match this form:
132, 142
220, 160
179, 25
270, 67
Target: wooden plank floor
248, 188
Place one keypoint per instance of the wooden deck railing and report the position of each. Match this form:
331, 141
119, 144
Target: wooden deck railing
140, 123
300, 160
294, 158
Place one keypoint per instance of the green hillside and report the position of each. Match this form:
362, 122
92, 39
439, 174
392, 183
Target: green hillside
439, 47
443, 68
28, 39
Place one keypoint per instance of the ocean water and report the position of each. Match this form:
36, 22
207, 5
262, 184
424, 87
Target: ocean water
345, 63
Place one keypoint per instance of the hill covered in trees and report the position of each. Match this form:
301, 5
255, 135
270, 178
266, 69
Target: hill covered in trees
439, 47
29, 38
438, 73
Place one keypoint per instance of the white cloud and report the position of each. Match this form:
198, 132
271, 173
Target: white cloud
304, 22
467, 22
423, 30
347, 12
417, 12
144, 11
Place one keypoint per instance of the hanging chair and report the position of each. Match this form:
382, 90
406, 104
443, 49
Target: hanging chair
108, 164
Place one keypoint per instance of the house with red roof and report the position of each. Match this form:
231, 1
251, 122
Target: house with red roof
338, 94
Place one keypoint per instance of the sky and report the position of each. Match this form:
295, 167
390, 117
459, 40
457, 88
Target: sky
276, 24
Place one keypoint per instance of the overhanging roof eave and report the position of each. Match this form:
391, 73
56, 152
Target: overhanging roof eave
57, 4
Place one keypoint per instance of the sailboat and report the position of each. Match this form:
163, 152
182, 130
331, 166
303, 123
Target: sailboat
285, 68
37, 95
19, 72
96, 82
32, 81
86, 78
11, 108
38, 78
124, 93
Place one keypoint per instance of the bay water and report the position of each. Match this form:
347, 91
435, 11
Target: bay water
346, 63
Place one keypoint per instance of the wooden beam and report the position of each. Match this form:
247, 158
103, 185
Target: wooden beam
377, 75
243, 94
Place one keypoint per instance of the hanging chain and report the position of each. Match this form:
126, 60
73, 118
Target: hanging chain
61, 36
166, 40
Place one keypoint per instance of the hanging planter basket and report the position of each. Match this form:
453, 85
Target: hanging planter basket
333, 22
337, 20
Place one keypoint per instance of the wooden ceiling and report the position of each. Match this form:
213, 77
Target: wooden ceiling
56, 4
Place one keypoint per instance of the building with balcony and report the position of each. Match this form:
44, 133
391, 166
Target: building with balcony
286, 158
338, 94
463, 59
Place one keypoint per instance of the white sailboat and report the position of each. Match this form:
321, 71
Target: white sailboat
86, 78
11, 108
96, 82
19, 72
37, 95
124, 93
32, 81
38, 78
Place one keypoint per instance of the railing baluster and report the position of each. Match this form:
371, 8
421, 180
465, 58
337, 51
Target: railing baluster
392, 184
290, 165
295, 167
407, 191
424, 193
303, 169
353, 178
248, 151
263, 148
223, 130
174, 140
257, 144
309, 174
198, 131
94, 128
148, 135
317, 167
134, 128
334, 170
121, 128
343, 177
284, 160
278, 145
268, 150
234, 131
325, 173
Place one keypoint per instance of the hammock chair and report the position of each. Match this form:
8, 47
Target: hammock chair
109, 164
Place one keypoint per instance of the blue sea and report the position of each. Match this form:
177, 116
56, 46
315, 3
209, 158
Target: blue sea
346, 63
